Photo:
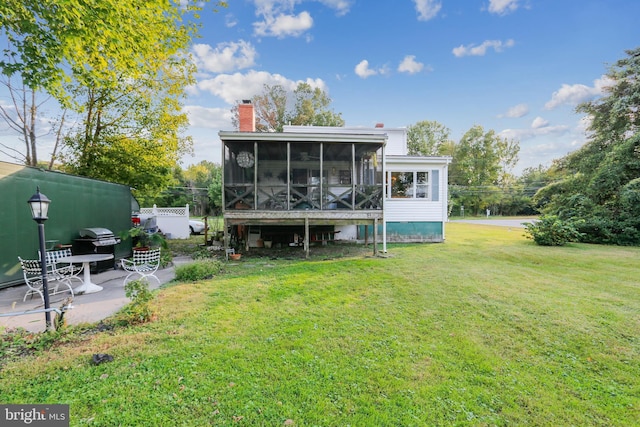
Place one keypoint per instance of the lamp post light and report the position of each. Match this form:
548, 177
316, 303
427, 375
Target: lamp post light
39, 204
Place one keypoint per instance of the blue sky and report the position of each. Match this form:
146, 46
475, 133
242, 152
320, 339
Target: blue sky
518, 67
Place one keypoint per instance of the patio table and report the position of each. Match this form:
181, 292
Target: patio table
87, 287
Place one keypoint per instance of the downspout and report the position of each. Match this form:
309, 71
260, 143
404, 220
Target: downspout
445, 208
225, 234
384, 197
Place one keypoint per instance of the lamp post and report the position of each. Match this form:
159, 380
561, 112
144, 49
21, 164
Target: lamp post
39, 204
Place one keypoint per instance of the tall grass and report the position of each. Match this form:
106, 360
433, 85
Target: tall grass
485, 329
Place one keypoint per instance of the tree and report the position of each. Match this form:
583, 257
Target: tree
23, 116
482, 162
131, 133
56, 41
598, 186
310, 107
270, 109
122, 66
615, 115
428, 138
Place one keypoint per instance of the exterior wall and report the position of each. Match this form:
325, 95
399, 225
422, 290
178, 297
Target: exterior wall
415, 231
415, 219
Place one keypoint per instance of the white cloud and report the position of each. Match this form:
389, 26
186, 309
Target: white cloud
211, 118
410, 65
502, 7
278, 17
516, 111
577, 93
539, 127
363, 70
283, 25
237, 86
230, 21
539, 122
341, 6
225, 57
427, 9
481, 50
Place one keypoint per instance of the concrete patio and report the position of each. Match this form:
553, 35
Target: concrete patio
87, 308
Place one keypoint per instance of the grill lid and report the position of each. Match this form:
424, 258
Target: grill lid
96, 233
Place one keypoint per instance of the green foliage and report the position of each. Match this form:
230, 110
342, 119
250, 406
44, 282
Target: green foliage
144, 239
198, 270
550, 230
121, 68
616, 113
20, 342
481, 164
597, 189
312, 108
428, 138
55, 42
139, 310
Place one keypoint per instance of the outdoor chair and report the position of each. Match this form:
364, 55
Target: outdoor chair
143, 263
32, 273
66, 270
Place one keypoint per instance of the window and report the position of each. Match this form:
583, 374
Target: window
401, 185
409, 185
422, 185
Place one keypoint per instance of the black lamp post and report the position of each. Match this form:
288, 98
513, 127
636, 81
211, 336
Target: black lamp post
39, 204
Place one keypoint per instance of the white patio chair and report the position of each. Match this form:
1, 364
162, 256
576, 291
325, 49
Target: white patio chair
143, 263
32, 273
66, 270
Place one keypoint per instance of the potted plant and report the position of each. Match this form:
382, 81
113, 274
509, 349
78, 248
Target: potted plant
144, 240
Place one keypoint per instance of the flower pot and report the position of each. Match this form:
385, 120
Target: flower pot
235, 257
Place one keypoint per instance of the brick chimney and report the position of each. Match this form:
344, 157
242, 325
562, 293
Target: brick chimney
247, 116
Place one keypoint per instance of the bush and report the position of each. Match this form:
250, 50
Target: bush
550, 230
139, 309
198, 270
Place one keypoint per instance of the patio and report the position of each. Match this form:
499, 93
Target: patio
87, 308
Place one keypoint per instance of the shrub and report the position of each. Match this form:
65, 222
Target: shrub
198, 270
139, 309
550, 230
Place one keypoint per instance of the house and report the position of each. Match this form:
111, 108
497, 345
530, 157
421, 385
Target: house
317, 184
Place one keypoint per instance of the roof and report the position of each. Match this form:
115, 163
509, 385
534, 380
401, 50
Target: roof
364, 137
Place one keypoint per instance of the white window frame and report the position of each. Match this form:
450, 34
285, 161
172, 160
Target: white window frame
426, 185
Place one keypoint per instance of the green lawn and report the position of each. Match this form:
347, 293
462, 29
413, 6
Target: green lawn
485, 329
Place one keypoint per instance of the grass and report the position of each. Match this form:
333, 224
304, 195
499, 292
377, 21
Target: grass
485, 329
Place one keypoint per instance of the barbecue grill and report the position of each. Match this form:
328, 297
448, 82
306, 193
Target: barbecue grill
97, 240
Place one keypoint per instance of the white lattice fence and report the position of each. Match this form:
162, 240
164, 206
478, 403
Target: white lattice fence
171, 221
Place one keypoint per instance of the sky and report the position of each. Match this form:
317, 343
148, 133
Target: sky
518, 67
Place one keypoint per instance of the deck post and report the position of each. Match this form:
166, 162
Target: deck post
306, 236
375, 236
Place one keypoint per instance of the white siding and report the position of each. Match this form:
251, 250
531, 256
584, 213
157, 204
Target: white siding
402, 210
